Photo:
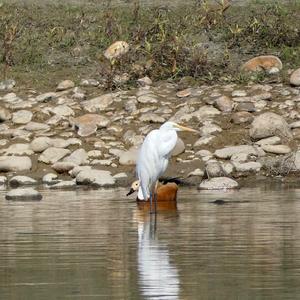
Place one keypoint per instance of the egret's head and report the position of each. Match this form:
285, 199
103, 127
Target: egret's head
174, 126
134, 187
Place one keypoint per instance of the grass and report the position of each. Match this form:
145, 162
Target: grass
43, 43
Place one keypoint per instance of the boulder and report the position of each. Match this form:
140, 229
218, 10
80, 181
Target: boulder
268, 63
295, 78
24, 194
98, 104
95, 177
116, 50
65, 85
21, 180
52, 155
218, 183
15, 163
129, 157
269, 124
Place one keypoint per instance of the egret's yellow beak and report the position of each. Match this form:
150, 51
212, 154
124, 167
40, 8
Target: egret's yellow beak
183, 128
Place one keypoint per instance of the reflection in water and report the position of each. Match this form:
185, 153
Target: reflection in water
158, 277
87, 245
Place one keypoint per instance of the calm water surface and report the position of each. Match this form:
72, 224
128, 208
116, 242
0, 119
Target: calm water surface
99, 245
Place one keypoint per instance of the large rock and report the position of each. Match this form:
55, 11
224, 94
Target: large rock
63, 166
218, 183
64, 85
277, 149
263, 63
21, 180
40, 144
227, 152
95, 177
129, 157
98, 104
15, 163
179, 147
224, 104
26, 194
18, 149
52, 155
63, 111
89, 123
78, 157
116, 50
22, 117
295, 78
269, 124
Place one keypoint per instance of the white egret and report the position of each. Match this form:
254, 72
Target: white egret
154, 157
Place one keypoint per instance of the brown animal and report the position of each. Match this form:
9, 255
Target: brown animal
166, 196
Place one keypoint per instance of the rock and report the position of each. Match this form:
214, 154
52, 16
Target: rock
227, 152
4, 114
205, 112
272, 140
89, 82
116, 50
95, 154
269, 124
121, 175
184, 93
50, 178
18, 149
65, 85
95, 177
26, 194
277, 149
204, 141
295, 78
152, 118
46, 97
224, 104
63, 111
21, 180
240, 157
89, 123
74, 172
22, 117
52, 155
15, 163
241, 117
218, 183
214, 169
251, 166
98, 104
129, 157
65, 184
40, 144
228, 168
63, 166
196, 172
209, 129
7, 84
239, 93
179, 147
3, 180
63, 143
245, 106
144, 81
263, 63
147, 99
34, 126
78, 157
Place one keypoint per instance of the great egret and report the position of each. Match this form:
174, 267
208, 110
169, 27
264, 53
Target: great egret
154, 157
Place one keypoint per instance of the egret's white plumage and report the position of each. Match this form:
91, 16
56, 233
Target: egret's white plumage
154, 156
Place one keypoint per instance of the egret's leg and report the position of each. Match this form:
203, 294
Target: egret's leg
155, 197
151, 196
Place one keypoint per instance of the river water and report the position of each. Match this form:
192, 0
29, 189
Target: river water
97, 244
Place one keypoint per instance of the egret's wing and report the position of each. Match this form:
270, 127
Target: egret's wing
148, 167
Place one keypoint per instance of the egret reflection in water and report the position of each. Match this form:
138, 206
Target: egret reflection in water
158, 276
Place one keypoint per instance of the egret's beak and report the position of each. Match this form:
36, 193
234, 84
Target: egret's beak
130, 192
183, 128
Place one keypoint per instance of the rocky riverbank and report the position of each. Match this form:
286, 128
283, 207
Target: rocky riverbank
78, 135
